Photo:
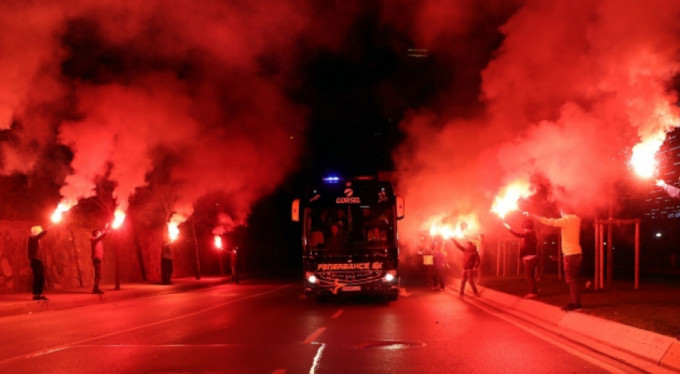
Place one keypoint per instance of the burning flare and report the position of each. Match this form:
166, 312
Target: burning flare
173, 231
643, 160
465, 226
173, 226
62, 208
445, 231
664, 119
118, 218
218, 242
507, 200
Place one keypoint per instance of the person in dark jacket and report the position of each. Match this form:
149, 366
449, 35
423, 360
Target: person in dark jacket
528, 253
36, 256
471, 262
166, 263
233, 262
98, 256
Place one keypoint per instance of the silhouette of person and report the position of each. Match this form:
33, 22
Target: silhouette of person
98, 256
36, 256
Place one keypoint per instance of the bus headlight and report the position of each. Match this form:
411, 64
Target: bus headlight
311, 278
390, 276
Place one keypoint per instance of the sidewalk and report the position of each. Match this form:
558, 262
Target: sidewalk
646, 350
22, 303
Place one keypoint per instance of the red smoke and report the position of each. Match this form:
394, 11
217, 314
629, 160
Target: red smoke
125, 85
560, 89
571, 88
29, 61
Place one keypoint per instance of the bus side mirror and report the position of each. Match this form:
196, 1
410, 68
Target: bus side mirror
295, 211
400, 206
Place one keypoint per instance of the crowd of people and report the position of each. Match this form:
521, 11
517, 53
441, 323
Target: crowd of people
436, 263
569, 224
332, 232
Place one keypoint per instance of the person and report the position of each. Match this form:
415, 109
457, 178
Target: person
435, 245
316, 239
35, 255
166, 263
98, 256
336, 239
528, 253
471, 262
342, 220
233, 262
570, 231
439, 266
672, 191
376, 235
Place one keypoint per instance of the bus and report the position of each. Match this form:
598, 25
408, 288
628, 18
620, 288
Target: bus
350, 243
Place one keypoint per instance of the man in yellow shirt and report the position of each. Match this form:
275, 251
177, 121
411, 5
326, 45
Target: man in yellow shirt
570, 231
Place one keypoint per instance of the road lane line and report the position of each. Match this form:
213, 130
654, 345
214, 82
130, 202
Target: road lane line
310, 339
140, 327
338, 313
317, 359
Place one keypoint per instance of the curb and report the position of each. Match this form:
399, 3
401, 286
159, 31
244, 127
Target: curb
660, 350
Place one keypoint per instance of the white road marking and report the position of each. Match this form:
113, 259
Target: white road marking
338, 313
317, 359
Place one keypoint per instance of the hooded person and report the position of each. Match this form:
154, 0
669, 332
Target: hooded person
35, 255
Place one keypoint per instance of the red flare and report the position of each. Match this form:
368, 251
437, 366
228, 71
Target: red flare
118, 218
507, 200
58, 214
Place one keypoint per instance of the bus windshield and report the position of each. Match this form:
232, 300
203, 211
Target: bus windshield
338, 227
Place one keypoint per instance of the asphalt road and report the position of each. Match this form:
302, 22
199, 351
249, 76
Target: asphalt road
270, 327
